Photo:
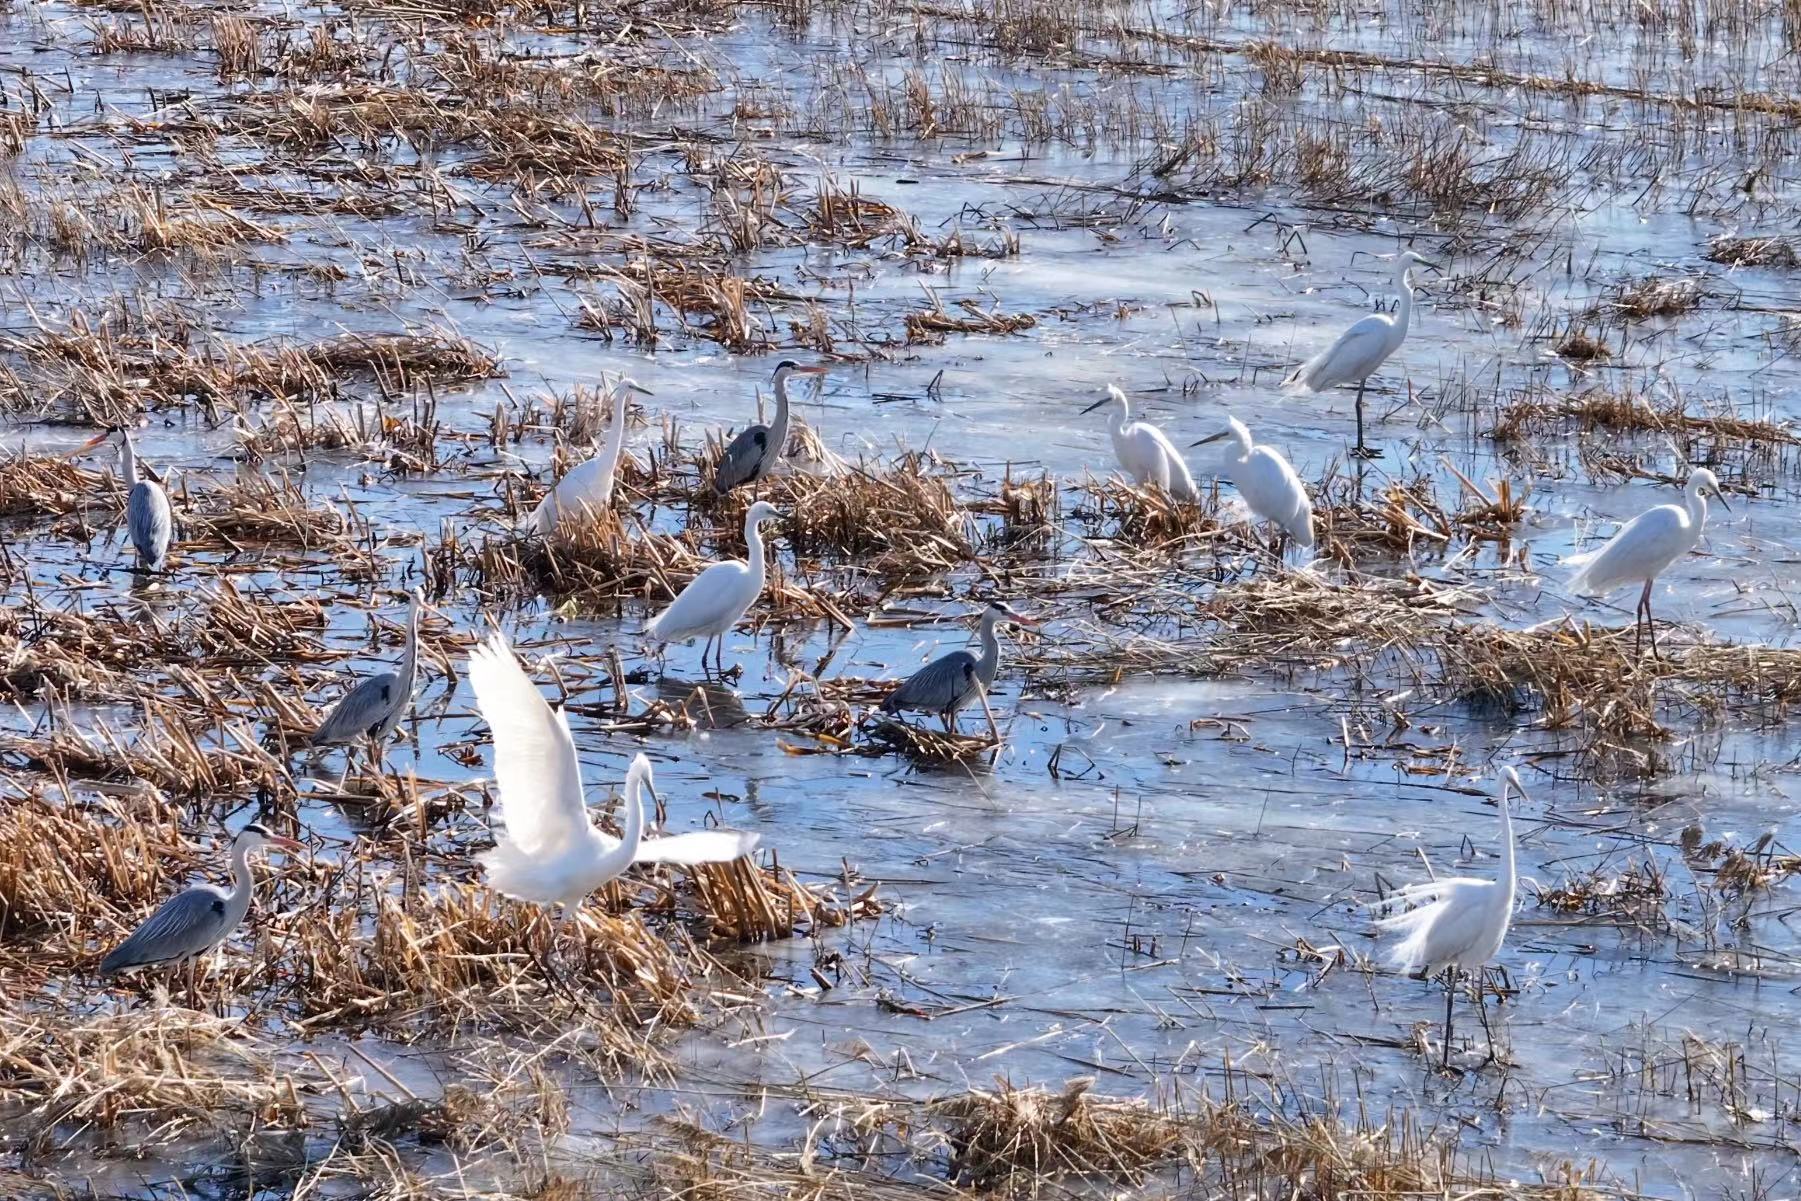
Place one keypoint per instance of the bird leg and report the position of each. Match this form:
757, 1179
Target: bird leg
1644, 602
1482, 1012
1361, 451
1450, 999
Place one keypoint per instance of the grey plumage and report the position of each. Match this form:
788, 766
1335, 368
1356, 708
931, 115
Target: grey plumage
950, 682
149, 520
362, 712
754, 453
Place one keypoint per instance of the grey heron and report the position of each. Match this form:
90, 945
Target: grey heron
551, 854
197, 919
1143, 451
715, 600
1267, 481
754, 453
373, 708
587, 489
149, 519
949, 682
1362, 348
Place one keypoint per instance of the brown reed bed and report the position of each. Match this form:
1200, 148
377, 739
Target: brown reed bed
1606, 411
1737, 251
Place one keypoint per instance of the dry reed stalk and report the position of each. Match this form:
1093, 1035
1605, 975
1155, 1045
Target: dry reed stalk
1606, 411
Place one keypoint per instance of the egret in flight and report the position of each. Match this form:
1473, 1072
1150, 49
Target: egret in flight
1144, 453
1460, 922
754, 453
1646, 545
551, 854
1267, 481
149, 520
949, 682
373, 709
587, 489
715, 600
1361, 349
197, 919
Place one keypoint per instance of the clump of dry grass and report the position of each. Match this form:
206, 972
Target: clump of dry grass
1147, 520
1606, 411
1652, 296
741, 902
45, 485
171, 752
1736, 251
1579, 346
1741, 871
1015, 1140
931, 325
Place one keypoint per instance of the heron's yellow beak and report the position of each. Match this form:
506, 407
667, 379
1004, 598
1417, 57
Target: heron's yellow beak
286, 844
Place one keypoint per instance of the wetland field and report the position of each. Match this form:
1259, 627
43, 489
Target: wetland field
358, 277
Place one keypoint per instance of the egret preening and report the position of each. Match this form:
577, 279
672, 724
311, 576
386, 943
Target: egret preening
715, 600
1144, 453
587, 489
949, 682
1354, 357
1460, 922
754, 453
197, 919
373, 708
551, 854
1267, 481
1646, 545
149, 520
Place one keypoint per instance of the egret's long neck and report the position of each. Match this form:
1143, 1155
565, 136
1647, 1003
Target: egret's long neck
989, 664
753, 541
632, 824
609, 453
1697, 508
778, 429
1122, 417
1508, 880
1404, 314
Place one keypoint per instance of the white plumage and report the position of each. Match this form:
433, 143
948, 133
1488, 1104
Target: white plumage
550, 852
1143, 451
1642, 548
1354, 357
1459, 923
715, 600
587, 488
1267, 481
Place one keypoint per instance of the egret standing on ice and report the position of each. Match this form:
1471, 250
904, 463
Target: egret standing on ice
754, 453
1646, 545
374, 707
148, 518
1361, 349
715, 600
197, 919
587, 489
1267, 481
1144, 453
949, 682
1461, 921
551, 853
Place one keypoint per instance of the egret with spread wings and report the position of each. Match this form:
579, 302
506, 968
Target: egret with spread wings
551, 853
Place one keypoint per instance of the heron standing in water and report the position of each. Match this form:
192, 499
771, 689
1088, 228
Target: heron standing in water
373, 709
950, 682
1144, 452
1267, 481
149, 519
754, 453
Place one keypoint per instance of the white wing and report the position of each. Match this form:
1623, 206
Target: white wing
1357, 353
701, 846
1180, 483
1275, 493
710, 598
584, 490
1643, 547
535, 768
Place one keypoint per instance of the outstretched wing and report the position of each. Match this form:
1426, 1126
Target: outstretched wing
701, 846
185, 925
535, 767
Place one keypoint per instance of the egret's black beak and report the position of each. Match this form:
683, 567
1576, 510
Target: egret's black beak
641, 390
1721, 497
1097, 404
1207, 439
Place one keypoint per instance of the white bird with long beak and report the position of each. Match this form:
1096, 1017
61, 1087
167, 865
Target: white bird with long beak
1267, 481
1143, 451
718, 598
550, 853
587, 489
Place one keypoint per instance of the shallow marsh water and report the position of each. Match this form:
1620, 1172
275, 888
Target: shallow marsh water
1150, 916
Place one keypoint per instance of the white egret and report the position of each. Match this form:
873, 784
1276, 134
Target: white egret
715, 600
1644, 546
949, 682
1144, 453
1267, 481
754, 453
551, 854
587, 489
373, 709
1354, 357
197, 919
149, 519
1460, 921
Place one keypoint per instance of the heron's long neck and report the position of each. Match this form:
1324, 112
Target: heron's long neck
128, 465
778, 429
409, 660
753, 541
989, 665
1697, 510
240, 876
1508, 881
